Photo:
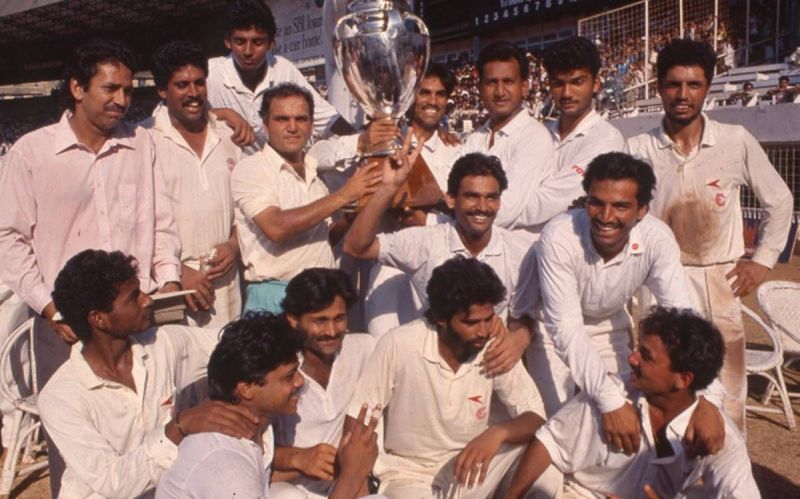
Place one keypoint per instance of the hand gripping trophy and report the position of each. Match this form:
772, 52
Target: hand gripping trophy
382, 50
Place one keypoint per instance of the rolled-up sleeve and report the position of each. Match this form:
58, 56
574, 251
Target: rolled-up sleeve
252, 187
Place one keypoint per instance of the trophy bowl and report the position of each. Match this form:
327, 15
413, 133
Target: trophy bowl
382, 50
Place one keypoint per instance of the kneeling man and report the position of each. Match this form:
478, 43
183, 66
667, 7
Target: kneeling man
427, 374
255, 366
679, 353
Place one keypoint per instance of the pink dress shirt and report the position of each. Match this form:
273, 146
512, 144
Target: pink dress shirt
60, 198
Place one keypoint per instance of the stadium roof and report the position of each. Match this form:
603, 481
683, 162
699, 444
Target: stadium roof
37, 35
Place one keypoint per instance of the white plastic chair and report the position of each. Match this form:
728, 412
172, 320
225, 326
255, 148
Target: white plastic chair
768, 364
780, 301
25, 423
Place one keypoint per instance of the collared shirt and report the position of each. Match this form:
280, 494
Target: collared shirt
199, 187
321, 411
226, 89
263, 180
578, 288
432, 412
111, 437
698, 194
593, 136
213, 465
525, 149
403, 250
572, 437
61, 198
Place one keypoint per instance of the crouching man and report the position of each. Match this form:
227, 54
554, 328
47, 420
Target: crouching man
255, 366
109, 408
428, 376
679, 353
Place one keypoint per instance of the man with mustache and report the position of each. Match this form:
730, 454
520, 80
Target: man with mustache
111, 407
390, 300
198, 156
701, 166
580, 134
238, 81
523, 145
427, 376
473, 193
331, 362
255, 367
589, 263
88, 181
283, 209
679, 353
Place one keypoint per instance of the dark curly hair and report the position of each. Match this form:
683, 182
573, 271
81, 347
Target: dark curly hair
444, 74
684, 52
315, 289
82, 64
575, 52
503, 52
249, 348
90, 281
694, 344
246, 14
472, 165
459, 283
283, 91
618, 166
172, 56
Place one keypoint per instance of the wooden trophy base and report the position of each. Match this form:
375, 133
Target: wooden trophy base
418, 191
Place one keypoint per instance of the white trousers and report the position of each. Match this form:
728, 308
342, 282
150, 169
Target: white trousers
444, 485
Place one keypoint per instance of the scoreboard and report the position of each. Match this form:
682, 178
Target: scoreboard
491, 14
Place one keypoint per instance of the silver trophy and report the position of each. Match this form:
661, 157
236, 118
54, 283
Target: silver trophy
382, 50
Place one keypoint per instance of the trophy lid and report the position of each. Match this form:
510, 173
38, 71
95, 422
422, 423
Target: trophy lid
367, 5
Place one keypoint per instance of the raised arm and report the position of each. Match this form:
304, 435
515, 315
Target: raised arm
360, 240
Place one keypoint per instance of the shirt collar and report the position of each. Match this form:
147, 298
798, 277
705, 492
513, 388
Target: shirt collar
516, 124
675, 428
434, 143
583, 126
83, 372
494, 248
163, 123
273, 158
65, 138
709, 138
234, 81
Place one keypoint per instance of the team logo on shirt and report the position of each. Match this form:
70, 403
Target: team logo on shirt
480, 413
720, 199
231, 164
577, 169
714, 183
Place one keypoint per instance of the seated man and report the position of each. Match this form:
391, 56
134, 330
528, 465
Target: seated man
427, 374
109, 408
331, 361
474, 187
255, 366
679, 353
